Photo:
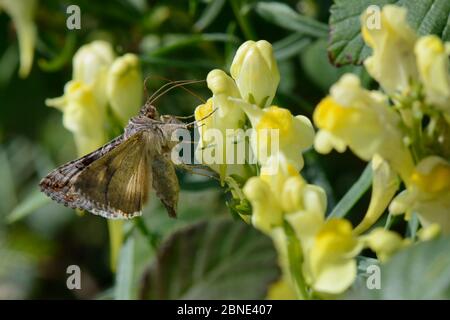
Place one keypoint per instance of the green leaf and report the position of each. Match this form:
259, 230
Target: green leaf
125, 271
346, 44
174, 42
7, 186
421, 271
62, 58
282, 15
214, 259
354, 194
209, 14
317, 66
31, 203
290, 46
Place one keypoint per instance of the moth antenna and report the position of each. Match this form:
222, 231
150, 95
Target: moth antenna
152, 97
145, 86
182, 87
176, 84
184, 117
202, 119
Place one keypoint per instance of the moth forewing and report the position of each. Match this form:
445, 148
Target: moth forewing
116, 185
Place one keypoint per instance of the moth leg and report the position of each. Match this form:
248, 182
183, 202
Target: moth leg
191, 168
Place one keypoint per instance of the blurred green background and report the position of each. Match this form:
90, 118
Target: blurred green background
175, 40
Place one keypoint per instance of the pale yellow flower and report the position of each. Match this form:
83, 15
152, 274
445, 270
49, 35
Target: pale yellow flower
330, 264
276, 130
267, 194
218, 120
91, 65
364, 121
22, 14
427, 194
328, 247
124, 87
267, 212
281, 290
81, 115
385, 184
384, 243
433, 64
430, 232
393, 63
256, 72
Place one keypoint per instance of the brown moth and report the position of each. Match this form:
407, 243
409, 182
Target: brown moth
114, 180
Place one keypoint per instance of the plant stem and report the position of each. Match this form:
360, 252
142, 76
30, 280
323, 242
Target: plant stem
246, 28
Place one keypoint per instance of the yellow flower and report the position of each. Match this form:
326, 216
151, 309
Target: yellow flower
256, 72
81, 115
124, 87
328, 247
330, 266
91, 65
364, 121
427, 194
432, 61
281, 290
276, 130
392, 63
263, 192
22, 14
218, 120
384, 243
267, 211
430, 232
385, 184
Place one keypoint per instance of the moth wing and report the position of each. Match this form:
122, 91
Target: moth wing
58, 184
117, 184
165, 181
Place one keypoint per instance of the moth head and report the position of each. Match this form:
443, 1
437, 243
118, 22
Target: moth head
149, 111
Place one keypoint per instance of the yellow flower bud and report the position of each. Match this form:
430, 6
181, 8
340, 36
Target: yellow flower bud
256, 72
124, 87
221, 84
91, 64
81, 115
22, 14
392, 63
432, 61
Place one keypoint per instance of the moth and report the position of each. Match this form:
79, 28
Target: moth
114, 181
